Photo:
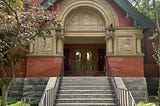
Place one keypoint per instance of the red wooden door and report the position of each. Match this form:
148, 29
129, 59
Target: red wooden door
83, 60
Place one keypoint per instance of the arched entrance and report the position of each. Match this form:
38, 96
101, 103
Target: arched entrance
84, 44
85, 24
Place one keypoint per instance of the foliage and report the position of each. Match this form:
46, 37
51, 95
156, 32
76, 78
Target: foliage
152, 85
20, 22
151, 8
159, 96
145, 104
147, 7
19, 104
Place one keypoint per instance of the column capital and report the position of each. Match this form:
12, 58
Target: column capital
60, 37
107, 37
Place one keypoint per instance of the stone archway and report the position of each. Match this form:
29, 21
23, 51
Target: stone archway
88, 21
84, 19
103, 7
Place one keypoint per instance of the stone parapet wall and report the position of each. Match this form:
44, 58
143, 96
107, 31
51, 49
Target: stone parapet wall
138, 88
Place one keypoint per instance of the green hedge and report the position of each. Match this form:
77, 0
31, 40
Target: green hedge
145, 104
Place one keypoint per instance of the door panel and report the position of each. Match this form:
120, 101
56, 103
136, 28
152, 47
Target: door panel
77, 60
89, 60
67, 59
101, 59
82, 59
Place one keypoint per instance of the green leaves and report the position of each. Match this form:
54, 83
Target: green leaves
147, 7
19, 25
154, 36
145, 104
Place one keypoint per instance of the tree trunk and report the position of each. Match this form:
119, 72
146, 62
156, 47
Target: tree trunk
159, 77
159, 87
5, 85
4, 95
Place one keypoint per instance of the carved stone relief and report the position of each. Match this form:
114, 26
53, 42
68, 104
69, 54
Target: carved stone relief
84, 19
45, 45
99, 6
125, 45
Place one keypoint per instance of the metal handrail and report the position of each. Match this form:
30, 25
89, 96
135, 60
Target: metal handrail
49, 96
124, 96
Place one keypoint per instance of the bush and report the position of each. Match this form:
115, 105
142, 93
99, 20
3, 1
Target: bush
19, 104
145, 104
159, 96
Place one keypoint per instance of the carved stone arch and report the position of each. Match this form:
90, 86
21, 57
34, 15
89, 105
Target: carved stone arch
102, 6
84, 19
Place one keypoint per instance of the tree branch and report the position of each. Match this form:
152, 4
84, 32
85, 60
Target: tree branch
157, 23
15, 13
3, 71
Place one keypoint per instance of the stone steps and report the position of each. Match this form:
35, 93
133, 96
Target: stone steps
86, 100
85, 91
85, 87
86, 96
86, 104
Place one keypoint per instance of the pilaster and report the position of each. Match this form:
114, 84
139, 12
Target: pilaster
47, 45
109, 44
60, 41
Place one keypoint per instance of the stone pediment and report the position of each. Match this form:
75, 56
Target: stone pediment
84, 19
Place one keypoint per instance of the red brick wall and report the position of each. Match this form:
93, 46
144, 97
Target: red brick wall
126, 66
20, 70
123, 22
43, 66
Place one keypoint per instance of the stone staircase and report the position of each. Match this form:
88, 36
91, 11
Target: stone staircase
85, 91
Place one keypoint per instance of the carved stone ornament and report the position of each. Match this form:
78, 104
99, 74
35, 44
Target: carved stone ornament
125, 45
84, 19
45, 45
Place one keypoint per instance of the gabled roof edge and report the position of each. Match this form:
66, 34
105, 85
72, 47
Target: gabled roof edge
139, 19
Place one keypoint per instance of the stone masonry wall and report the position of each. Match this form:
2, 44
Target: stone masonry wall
31, 88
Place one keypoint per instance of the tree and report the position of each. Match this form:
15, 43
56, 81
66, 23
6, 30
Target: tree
20, 22
151, 8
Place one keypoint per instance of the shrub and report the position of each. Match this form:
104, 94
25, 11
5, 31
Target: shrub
145, 104
19, 104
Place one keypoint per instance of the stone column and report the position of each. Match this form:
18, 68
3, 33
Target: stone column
54, 42
139, 45
60, 40
134, 45
31, 48
35, 45
109, 44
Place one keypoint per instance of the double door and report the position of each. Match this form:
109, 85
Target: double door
84, 60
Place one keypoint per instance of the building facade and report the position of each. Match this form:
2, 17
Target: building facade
85, 44
92, 38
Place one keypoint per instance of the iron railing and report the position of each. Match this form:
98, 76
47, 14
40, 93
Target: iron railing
124, 96
49, 96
